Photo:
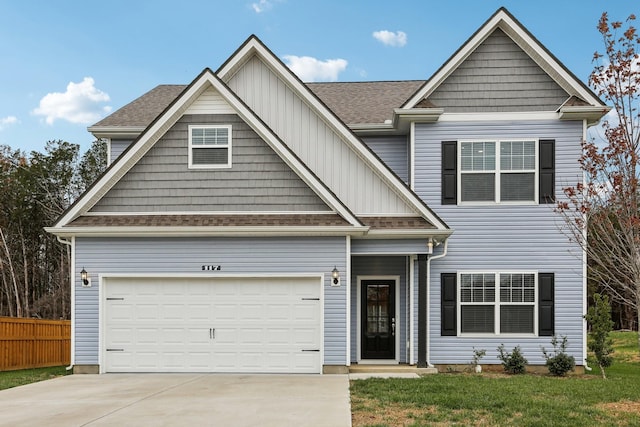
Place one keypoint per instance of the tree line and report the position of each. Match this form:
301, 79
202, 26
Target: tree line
35, 188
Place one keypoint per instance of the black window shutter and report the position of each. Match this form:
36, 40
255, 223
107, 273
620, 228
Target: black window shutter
547, 172
449, 172
545, 305
448, 316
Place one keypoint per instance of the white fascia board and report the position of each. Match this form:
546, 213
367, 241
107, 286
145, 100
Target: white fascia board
116, 131
238, 231
493, 116
521, 37
331, 119
406, 234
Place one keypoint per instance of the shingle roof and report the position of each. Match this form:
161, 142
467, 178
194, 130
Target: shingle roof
365, 102
142, 111
214, 220
248, 220
353, 103
396, 223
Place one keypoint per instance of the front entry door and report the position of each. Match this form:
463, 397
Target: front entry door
378, 319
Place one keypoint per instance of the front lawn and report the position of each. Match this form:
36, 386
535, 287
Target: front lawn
492, 400
10, 379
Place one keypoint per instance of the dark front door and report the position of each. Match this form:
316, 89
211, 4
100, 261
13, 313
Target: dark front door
378, 319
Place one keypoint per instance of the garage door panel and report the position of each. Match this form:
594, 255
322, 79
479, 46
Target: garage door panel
213, 325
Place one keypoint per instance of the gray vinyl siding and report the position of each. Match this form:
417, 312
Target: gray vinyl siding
380, 266
104, 256
258, 180
315, 141
117, 146
504, 237
394, 151
498, 76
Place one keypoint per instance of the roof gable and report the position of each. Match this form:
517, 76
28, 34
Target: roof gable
172, 113
323, 142
498, 76
258, 181
511, 27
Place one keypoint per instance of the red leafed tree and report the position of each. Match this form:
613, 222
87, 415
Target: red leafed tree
607, 203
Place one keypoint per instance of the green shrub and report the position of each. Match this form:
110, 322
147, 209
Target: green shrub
514, 362
600, 343
559, 362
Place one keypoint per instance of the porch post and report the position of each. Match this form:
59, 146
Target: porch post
422, 311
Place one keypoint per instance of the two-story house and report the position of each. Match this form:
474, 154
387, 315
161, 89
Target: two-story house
249, 222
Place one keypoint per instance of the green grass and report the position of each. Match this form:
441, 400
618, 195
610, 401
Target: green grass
523, 400
10, 379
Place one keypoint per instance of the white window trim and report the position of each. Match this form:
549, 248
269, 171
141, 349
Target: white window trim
498, 171
228, 146
497, 303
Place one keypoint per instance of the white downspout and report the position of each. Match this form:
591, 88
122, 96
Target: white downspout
429, 259
584, 275
72, 279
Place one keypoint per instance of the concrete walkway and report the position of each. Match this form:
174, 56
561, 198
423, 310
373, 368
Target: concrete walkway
180, 400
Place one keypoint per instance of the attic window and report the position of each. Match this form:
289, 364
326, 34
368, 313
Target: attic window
209, 146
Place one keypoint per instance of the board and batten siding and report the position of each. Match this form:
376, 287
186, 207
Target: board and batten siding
393, 151
504, 237
498, 76
380, 266
258, 180
314, 141
250, 256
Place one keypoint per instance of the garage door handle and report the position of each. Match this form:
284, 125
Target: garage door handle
212, 333
310, 299
311, 350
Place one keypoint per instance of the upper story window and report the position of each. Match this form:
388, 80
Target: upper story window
210, 146
497, 303
498, 171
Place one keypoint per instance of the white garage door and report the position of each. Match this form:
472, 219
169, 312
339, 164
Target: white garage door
248, 325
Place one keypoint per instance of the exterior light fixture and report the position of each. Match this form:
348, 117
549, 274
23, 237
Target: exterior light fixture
84, 276
430, 246
335, 276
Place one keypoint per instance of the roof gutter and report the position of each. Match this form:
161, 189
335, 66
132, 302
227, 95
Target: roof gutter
582, 112
116, 131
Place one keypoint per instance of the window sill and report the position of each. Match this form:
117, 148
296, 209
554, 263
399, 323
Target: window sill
503, 335
484, 204
225, 166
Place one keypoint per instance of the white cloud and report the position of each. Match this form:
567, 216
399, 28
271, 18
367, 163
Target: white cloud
261, 6
9, 120
81, 103
310, 69
389, 38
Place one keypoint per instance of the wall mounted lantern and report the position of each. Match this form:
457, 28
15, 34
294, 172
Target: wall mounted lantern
86, 280
335, 276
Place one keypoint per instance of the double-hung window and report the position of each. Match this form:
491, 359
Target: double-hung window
497, 303
498, 171
209, 146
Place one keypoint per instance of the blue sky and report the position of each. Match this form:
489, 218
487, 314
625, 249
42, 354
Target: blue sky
66, 64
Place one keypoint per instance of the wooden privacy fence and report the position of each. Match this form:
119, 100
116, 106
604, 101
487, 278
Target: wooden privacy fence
34, 343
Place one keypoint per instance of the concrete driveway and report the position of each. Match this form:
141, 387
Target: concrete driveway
180, 400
